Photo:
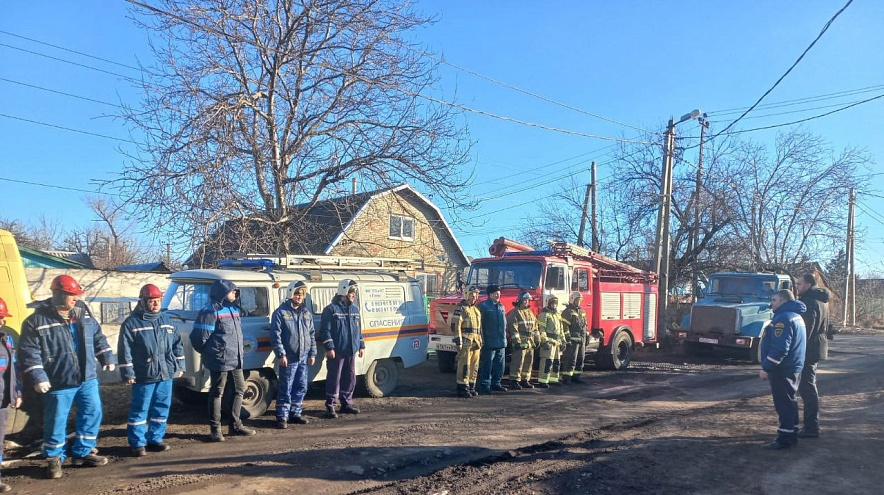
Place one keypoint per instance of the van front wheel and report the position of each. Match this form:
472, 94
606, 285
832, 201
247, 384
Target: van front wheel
260, 391
381, 378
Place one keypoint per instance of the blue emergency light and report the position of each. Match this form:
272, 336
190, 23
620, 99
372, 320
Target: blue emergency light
259, 263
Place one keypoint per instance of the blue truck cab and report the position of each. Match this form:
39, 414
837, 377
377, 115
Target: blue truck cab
732, 313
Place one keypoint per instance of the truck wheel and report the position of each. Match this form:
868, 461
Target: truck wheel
381, 378
755, 351
260, 390
188, 396
617, 355
447, 361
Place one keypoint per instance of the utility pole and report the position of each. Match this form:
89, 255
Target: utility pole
583, 216
595, 218
850, 280
704, 124
661, 258
169, 254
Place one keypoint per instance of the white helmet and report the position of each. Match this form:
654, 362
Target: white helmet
574, 297
296, 287
346, 286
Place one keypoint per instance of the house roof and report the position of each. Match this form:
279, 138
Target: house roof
33, 258
157, 267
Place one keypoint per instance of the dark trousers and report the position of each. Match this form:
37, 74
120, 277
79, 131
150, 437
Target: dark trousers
783, 387
3, 414
292, 389
811, 398
340, 380
218, 381
491, 366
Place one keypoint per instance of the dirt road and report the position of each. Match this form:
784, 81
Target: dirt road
669, 424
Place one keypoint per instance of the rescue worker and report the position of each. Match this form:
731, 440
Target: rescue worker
782, 358
10, 395
294, 342
341, 334
816, 322
217, 336
493, 352
151, 354
521, 325
575, 326
552, 337
466, 326
59, 344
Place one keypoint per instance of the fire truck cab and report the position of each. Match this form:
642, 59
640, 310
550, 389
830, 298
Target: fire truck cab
620, 301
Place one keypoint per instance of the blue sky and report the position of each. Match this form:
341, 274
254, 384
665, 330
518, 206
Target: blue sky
635, 62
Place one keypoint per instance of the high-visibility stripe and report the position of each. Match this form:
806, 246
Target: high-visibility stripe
36, 366
52, 446
139, 329
137, 423
49, 325
387, 329
102, 351
168, 326
158, 420
179, 357
774, 361
785, 431
125, 365
87, 437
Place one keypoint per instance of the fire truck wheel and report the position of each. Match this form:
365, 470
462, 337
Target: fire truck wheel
259, 392
447, 361
618, 354
381, 378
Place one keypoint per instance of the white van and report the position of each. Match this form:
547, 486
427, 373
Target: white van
391, 306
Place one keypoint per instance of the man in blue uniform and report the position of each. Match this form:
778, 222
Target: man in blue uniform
341, 334
217, 336
59, 344
782, 358
293, 339
493, 352
151, 355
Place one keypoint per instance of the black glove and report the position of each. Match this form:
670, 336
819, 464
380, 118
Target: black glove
457, 341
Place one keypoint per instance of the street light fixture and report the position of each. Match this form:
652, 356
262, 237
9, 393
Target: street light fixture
661, 258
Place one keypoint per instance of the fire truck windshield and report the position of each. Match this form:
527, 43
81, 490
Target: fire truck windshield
505, 273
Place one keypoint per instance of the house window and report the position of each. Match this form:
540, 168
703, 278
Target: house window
401, 227
430, 284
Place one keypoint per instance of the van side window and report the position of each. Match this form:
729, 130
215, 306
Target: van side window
254, 301
320, 297
555, 278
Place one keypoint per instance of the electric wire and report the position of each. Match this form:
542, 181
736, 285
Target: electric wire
70, 129
71, 62
68, 50
93, 100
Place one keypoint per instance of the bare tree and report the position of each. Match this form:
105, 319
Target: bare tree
43, 234
110, 242
255, 110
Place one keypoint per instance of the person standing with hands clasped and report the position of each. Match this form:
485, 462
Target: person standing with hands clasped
10, 395
151, 355
466, 326
816, 322
782, 358
493, 353
341, 335
293, 339
59, 344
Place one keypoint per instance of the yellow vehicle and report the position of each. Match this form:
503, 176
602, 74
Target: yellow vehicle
14, 291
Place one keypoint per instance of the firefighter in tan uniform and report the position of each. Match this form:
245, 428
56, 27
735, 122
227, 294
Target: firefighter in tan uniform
553, 337
521, 325
575, 326
466, 326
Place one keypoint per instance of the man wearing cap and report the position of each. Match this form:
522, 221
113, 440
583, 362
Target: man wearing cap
293, 339
493, 352
522, 326
59, 344
10, 395
151, 355
217, 336
466, 326
340, 334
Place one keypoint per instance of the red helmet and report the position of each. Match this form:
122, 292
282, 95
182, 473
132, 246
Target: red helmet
67, 284
150, 291
4, 311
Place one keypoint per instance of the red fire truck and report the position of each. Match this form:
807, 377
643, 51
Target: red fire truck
620, 301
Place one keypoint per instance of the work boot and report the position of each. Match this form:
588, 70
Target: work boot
216, 435
485, 391
53, 468
240, 431
556, 383
330, 412
525, 384
349, 409
90, 460
139, 452
514, 384
157, 447
805, 433
473, 391
542, 385
575, 379
462, 391
777, 445
566, 379
282, 424
298, 420
499, 388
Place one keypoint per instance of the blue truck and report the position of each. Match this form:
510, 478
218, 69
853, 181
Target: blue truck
732, 313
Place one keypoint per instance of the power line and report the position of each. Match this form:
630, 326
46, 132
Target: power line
70, 62
67, 128
68, 50
60, 92
823, 31
798, 101
53, 186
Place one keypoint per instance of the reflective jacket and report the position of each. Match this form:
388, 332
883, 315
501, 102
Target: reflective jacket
575, 323
551, 327
149, 347
291, 332
9, 386
521, 325
466, 322
217, 331
784, 340
493, 324
47, 351
339, 328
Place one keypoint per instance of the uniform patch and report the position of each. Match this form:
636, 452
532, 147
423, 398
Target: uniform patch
778, 329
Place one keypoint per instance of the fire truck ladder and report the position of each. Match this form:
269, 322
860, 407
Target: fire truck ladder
608, 269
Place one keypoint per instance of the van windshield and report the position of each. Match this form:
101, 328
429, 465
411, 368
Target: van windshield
187, 298
521, 274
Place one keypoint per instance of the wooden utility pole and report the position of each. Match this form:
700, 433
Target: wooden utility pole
661, 257
584, 215
595, 218
704, 124
850, 280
